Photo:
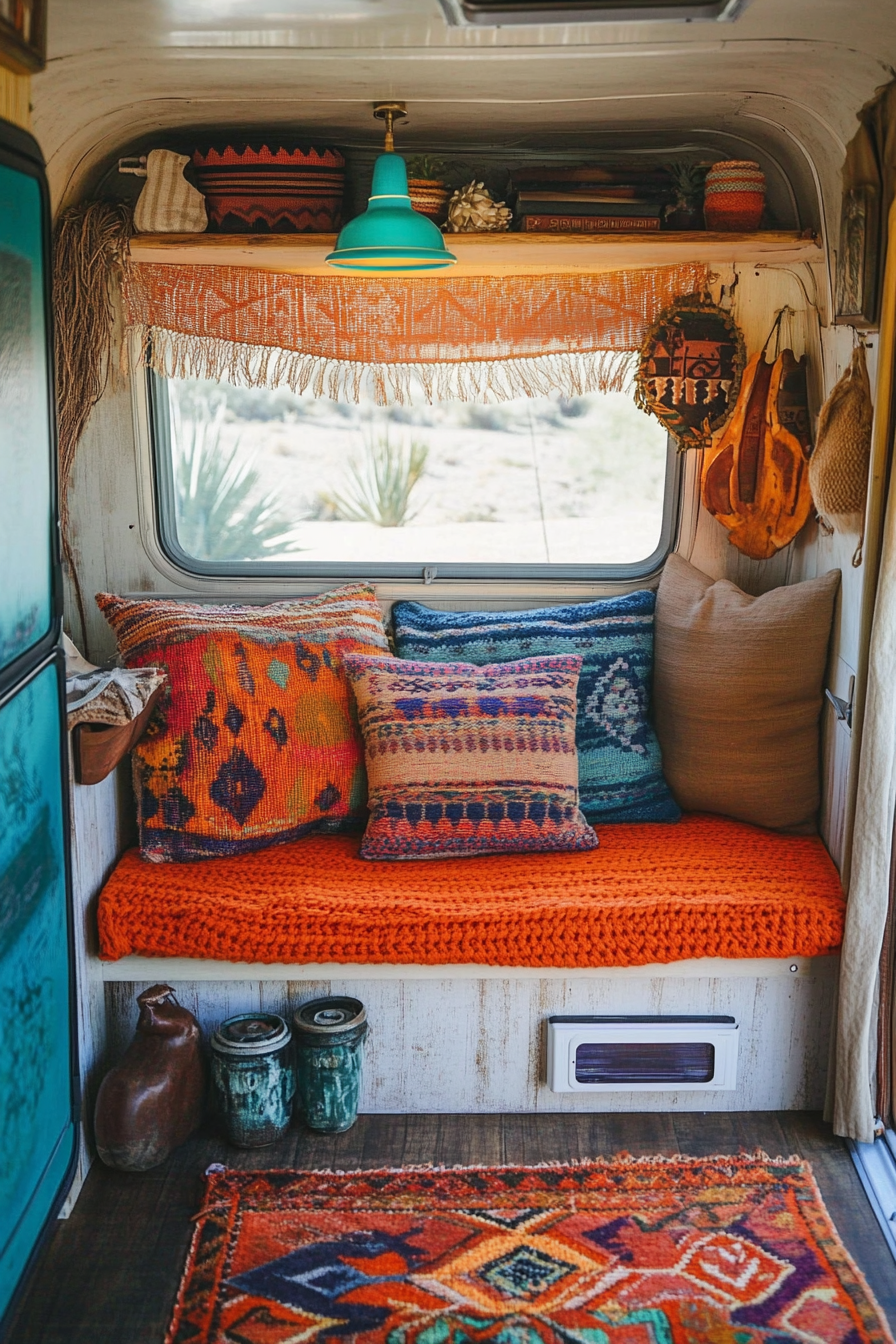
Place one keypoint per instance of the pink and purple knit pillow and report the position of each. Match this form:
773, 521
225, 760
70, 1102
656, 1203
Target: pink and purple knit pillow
465, 760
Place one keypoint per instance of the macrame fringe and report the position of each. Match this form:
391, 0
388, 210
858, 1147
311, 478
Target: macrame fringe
90, 248
174, 354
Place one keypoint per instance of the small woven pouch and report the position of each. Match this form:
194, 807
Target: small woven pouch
838, 468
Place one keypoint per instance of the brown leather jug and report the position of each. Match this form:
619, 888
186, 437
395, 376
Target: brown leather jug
154, 1098
756, 478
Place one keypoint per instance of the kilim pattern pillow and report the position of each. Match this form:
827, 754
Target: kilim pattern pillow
257, 742
469, 760
620, 767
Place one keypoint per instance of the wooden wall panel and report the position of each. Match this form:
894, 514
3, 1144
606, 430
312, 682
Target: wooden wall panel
15, 98
463, 1045
101, 826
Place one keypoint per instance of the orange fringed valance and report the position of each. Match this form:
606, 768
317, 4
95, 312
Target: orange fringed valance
478, 338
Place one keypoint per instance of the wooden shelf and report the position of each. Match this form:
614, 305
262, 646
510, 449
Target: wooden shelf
488, 253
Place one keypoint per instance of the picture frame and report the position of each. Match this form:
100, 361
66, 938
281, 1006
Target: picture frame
856, 291
23, 35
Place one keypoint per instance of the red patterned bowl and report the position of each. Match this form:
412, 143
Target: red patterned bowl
250, 190
734, 197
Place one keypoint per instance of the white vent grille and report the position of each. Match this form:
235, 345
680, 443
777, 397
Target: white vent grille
646, 1054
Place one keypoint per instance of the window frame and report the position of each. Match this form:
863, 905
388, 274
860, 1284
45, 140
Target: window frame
164, 527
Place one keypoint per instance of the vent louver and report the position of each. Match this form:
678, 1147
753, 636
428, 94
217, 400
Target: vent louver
624, 1062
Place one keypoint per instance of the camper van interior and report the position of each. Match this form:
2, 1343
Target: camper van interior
447, 671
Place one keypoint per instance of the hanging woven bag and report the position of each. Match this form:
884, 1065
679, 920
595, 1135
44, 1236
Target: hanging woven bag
838, 469
169, 203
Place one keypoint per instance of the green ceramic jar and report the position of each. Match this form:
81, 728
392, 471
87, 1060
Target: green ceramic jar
253, 1078
330, 1035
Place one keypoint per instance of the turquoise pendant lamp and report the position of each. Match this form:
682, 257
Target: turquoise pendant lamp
391, 235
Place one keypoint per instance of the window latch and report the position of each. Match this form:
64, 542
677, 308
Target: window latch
429, 573
843, 708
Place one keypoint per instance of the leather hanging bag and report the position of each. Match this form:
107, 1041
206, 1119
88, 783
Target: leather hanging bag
756, 478
155, 1097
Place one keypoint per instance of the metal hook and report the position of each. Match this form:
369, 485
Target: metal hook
134, 164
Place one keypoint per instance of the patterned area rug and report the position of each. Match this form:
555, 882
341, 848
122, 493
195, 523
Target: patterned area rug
722, 1250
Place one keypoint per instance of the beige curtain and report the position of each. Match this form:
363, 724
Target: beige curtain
869, 888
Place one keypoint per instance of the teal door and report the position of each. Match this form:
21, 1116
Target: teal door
38, 1133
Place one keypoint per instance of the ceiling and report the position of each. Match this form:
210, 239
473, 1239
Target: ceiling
784, 80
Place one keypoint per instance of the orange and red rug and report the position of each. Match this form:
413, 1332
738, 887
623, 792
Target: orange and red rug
721, 1250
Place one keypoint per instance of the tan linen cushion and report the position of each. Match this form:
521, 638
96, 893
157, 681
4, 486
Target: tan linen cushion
738, 690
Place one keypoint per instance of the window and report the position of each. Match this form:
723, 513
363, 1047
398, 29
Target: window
251, 479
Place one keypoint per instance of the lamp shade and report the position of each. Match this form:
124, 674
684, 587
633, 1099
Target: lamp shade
390, 235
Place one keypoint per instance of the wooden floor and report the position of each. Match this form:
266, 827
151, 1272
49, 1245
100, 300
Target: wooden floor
110, 1273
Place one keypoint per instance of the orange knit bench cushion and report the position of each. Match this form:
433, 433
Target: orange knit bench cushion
706, 887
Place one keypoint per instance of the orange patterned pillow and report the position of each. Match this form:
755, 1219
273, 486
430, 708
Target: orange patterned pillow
258, 740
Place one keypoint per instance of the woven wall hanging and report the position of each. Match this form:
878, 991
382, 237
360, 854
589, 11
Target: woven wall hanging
395, 338
756, 478
689, 369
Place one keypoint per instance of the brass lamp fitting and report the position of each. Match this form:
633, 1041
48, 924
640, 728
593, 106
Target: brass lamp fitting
389, 113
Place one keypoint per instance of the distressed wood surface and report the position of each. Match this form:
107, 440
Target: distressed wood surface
110, 1275
187, 968
491, 253
475, 1046
100, 828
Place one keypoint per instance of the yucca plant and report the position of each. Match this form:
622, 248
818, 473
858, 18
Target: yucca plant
380, 485
426, 167
689, 180
219, 512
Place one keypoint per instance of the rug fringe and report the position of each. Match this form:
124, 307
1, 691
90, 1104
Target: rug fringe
756, 1156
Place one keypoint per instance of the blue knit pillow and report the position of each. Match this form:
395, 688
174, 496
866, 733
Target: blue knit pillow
620, 768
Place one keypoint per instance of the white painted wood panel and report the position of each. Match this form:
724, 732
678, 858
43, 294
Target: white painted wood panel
477, 1045
100, 829
188, 968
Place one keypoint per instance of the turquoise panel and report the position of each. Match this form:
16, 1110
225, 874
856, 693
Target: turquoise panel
37, 1136
26, 491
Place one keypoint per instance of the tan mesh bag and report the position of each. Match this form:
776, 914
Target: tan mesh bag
838, 468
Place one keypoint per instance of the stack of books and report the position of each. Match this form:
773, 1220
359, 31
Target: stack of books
624, 199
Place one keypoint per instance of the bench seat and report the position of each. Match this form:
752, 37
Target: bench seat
704, 887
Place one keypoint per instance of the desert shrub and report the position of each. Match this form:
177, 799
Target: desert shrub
219, 511
380, 484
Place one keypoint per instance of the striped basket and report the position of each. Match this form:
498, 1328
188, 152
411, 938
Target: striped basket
429, 197
250, 190
734, 196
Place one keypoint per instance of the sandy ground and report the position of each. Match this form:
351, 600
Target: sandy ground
527, 481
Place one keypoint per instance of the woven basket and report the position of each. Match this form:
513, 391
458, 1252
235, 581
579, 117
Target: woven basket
838, 468
429, 197
734, 197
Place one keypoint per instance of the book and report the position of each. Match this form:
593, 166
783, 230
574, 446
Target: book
550, 205
590, 223
553, 172
628, 174
586, 194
